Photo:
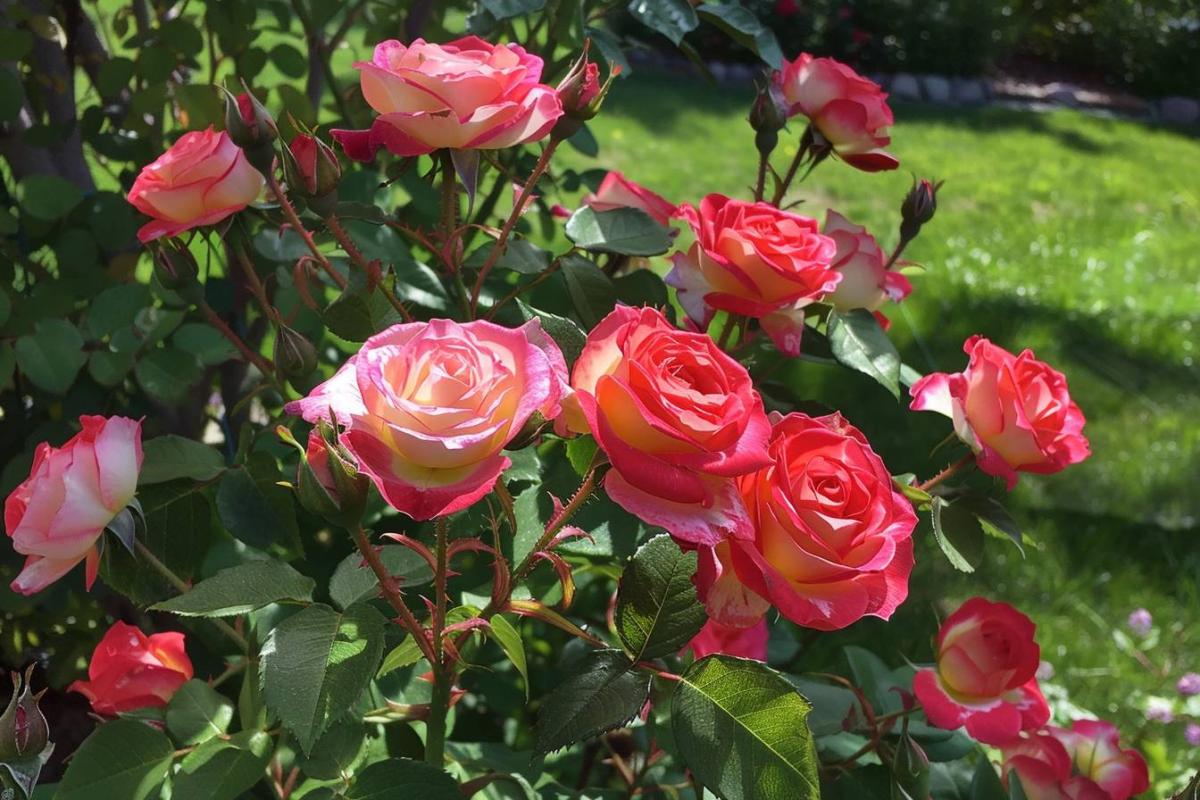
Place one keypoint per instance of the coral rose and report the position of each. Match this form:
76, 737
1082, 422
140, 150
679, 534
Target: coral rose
832, 535
984, 677
130, 670
617, 191
1083, 763
428, 406
201, 179
755, 260
866, 280
714, 637
677, 418
1014, 411
56, 516
848, 110
466, 94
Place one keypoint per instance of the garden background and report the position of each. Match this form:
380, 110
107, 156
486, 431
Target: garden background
1075, 234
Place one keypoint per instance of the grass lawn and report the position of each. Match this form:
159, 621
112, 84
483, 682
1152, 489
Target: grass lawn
1073, 235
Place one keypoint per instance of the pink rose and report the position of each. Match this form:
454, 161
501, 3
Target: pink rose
848, 110
201, 179
755, 260
984, 678
678, 419
866, 280
748, 642
59, 512
832, 535
130, 670
1013, 411
467, 94
1083, 763
428, 407
617, 191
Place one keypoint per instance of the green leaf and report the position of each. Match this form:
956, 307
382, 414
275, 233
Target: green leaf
671, 18
958, 532
8, 363
223, 769
402, 655
197, 712
358, 314
509, 639
985, 784
504, 9
52, 355
994, 518
657, 608
627, 231
746, 29
168, 374
12, 95
581, 451
874, 678
115, 308
353, 581
592, 292
600, 694
402, 777
122, 759
830, 704
256, 509
742, 730
859, 343
569, 337
170, 457
290, 61
316, 663
240, 590
642, 287
520, 255
205, 342
531, 521
48, 197
337, 751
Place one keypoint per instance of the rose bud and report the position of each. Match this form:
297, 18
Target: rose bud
581, 94
910, 770
328, 482
294, 356
176, 270
768, 115
918, 207
252, 128
58, 514
130, 670
201, 179
985, 674
1014, 411
24, 733
312, 171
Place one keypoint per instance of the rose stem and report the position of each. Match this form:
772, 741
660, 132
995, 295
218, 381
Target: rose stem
392, 593
347, 243
289, 211
443, 671
182, 587
969, 458
760, 186
781, 190
511, 222
259, 361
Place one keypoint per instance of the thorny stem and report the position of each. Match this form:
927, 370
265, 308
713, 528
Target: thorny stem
182, 587
259, 361
954, 468
347, 243
781, 190
511, 222
760, 185
731, 322
391, 592
443, 672
289, 211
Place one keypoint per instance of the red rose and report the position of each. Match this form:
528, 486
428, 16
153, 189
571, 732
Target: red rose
984, 677
617, 191
755, 260
130, 670
1083, 763
714, 637
832, 536
1014, 411
849, 111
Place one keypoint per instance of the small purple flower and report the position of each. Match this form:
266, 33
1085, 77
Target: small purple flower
1188, 685
1192, 734
1140, 621
1159, 711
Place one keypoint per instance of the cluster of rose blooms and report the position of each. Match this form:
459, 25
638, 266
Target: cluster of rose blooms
785, 510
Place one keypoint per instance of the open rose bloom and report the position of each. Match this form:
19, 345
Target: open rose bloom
848, 110
617, 191
678, 419
866, 282
832, 537
130, 670
755, 260
201, 179
1014, 411
465, 94
58, 514
1085, 762
984, 678
427, 407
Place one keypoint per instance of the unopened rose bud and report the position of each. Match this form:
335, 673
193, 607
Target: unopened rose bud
918, 207
24, 733
252, 128
176, 270
581, 94
910, 770
328, 482
312, 171
295, 357
767, 117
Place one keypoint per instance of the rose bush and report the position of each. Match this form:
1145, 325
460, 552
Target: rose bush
436, 487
